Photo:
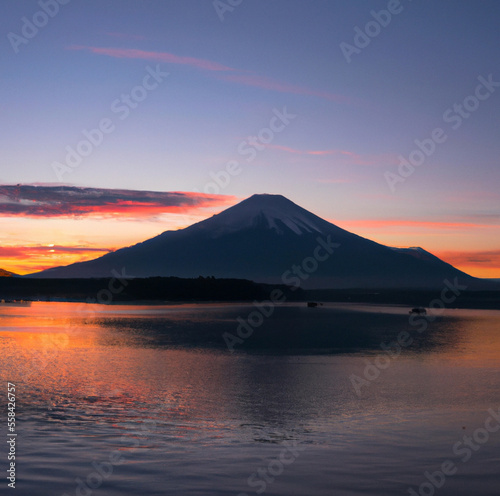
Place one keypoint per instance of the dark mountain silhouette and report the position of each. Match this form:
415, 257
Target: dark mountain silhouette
269, 239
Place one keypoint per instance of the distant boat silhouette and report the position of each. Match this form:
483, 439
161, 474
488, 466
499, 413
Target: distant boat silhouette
312, 304
418, 311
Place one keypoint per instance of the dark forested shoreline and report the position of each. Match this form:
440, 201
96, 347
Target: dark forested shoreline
166, 289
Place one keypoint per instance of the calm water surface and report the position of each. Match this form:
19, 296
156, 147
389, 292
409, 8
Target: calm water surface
148, 400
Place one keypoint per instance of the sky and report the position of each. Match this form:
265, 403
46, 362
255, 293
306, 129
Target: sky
124, 119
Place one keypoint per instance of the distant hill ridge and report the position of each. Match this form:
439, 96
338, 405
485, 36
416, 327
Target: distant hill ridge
6, 273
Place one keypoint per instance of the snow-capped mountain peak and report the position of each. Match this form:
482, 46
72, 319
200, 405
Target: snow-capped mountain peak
271, 211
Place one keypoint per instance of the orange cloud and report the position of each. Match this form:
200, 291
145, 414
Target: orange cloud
478, 263
69, 201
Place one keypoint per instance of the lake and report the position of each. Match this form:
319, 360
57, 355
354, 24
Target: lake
127, 400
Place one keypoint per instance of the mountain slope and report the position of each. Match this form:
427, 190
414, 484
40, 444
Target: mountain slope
268, 238
6, 273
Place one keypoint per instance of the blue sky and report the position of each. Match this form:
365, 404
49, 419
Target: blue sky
227, 78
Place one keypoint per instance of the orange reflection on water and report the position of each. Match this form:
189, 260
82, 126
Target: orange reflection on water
71, 355
97, 361
477, 335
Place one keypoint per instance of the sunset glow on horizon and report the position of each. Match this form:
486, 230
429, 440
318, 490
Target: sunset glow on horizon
142, 220
119, 128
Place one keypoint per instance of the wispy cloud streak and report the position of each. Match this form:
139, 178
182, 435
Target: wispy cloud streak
270, 84
169, 58
224, 73
412, 224
349, 156
479, 258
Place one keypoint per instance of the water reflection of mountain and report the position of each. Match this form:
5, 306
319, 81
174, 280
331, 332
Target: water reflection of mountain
289, 330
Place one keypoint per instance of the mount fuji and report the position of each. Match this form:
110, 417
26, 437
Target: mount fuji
269, 239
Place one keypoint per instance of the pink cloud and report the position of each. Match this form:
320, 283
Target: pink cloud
354, 158
328, 152
245, 78
336, 181
471, 195
310, 152
169, 58
270, 84
406, 223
